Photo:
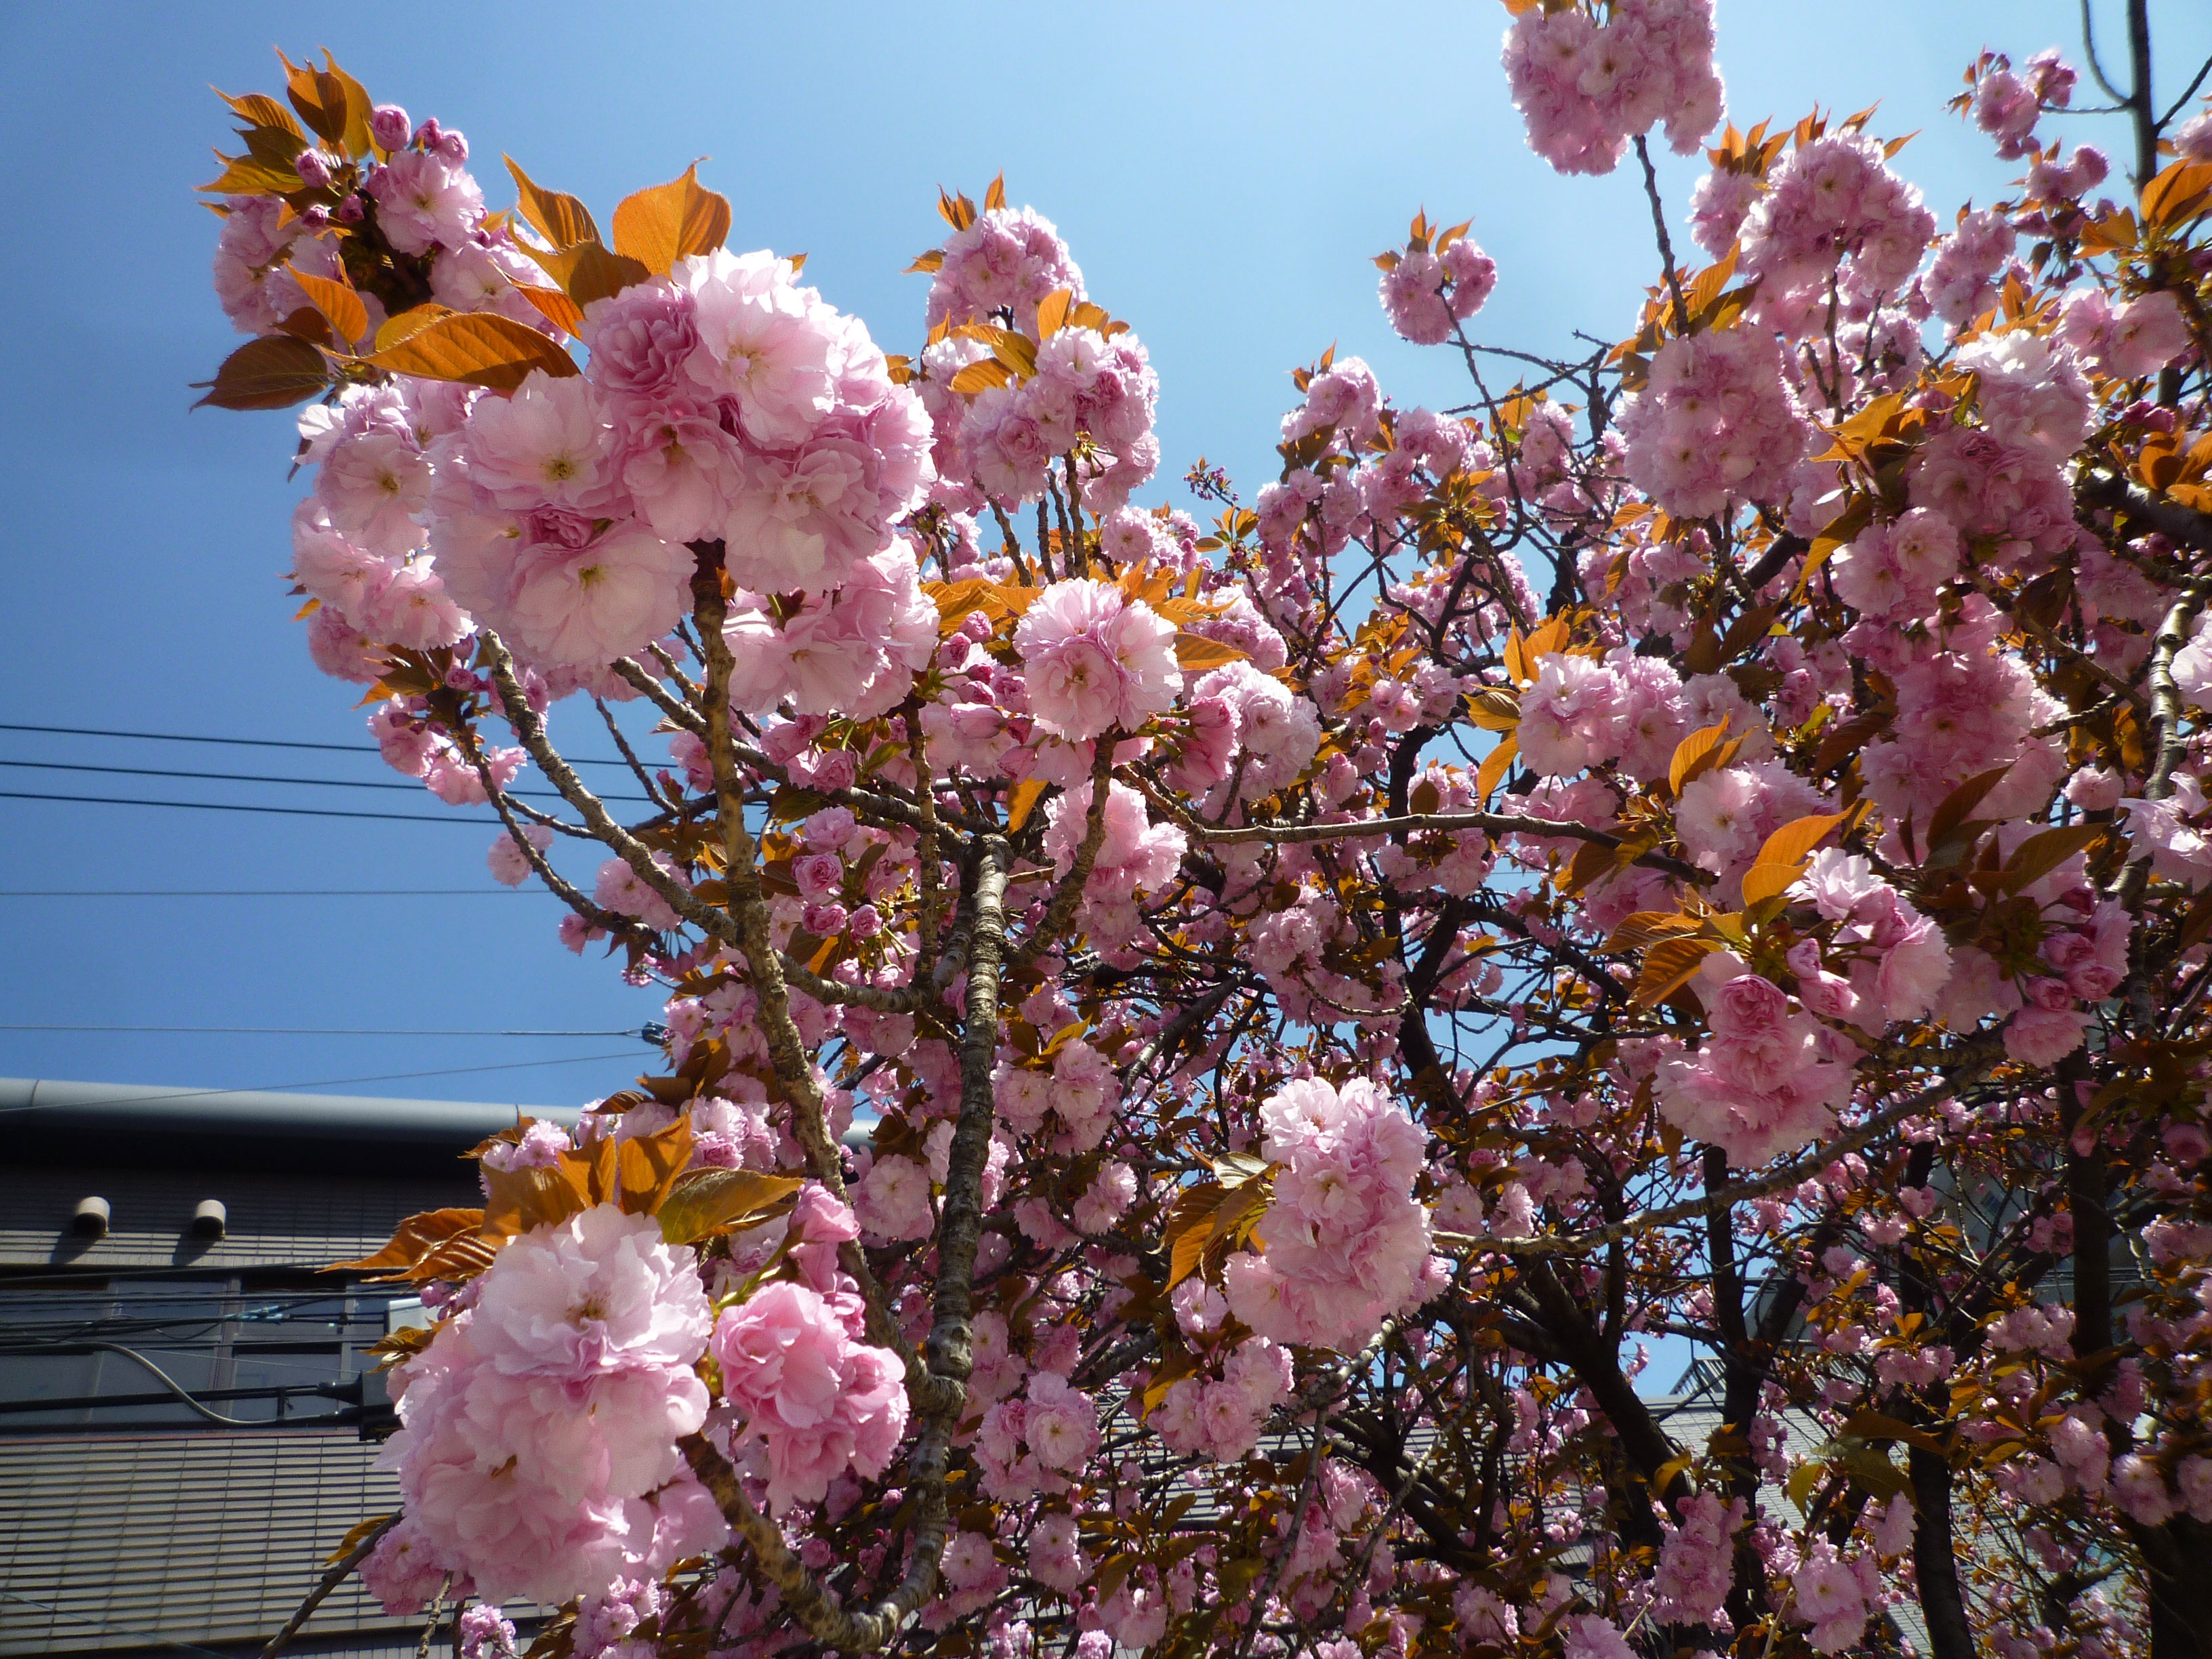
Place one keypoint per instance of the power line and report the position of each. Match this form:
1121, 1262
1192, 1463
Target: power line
237, 806
266, 777
263, 892
245, 743
334, 1081
319, 1031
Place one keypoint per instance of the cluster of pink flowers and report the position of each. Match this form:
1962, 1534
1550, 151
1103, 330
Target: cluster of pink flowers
1835, 1595
1959, 284
1038, 1442
1248, 728
808, 1399
1347, 1245
1136, 857
1095, 660
1006, 262
538, 1452
723, 402
1582, 711
1716, 423
1766, 1081
2129, 341
1089, 391
1833, 213
261, 245
1697, 1563
1587, 87
1085, 398
1426, 294
1075, 1095
1893, 571
1725, 815
2028, 395
1897, 961
427, 206
1961, 710
853, 653
2007, 106
1221, 1418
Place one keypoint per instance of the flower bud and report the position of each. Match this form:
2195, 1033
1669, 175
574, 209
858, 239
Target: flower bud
312, 167
388, 127
350, 211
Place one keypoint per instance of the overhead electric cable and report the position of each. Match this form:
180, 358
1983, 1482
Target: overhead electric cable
487, 890
320, 1031
267, 777
245, 743
241, 806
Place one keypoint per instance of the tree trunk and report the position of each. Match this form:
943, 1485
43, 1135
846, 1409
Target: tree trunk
1935, 1561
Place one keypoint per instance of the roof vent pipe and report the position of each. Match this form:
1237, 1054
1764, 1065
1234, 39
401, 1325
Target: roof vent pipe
91, 1219
210, 1219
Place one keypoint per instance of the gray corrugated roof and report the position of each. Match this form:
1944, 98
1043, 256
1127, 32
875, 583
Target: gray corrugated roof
191, 1537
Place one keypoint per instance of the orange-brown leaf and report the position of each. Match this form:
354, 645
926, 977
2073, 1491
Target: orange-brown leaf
1495, 709
1051, 312
1494, 767
720, 1200
1795, 840
1646, 928
1023, 802
416, 1239
538, 1195
562, 220
646, 1166
262, 110
671, 222
980, 376
1667, 966
475, 347
1197, 654
409, 323
1766, 880
586, 272
2178, 194
274, 372
322, 96
338, 301
1691, 749
554, 306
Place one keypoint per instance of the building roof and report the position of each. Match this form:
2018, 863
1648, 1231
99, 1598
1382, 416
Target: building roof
43, 1120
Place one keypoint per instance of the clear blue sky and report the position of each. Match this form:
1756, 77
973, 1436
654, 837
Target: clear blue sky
1224, 173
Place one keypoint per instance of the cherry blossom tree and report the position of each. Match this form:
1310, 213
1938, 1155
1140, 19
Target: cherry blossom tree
1199, 1053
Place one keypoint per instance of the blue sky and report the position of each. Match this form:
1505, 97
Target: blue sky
1223, 174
